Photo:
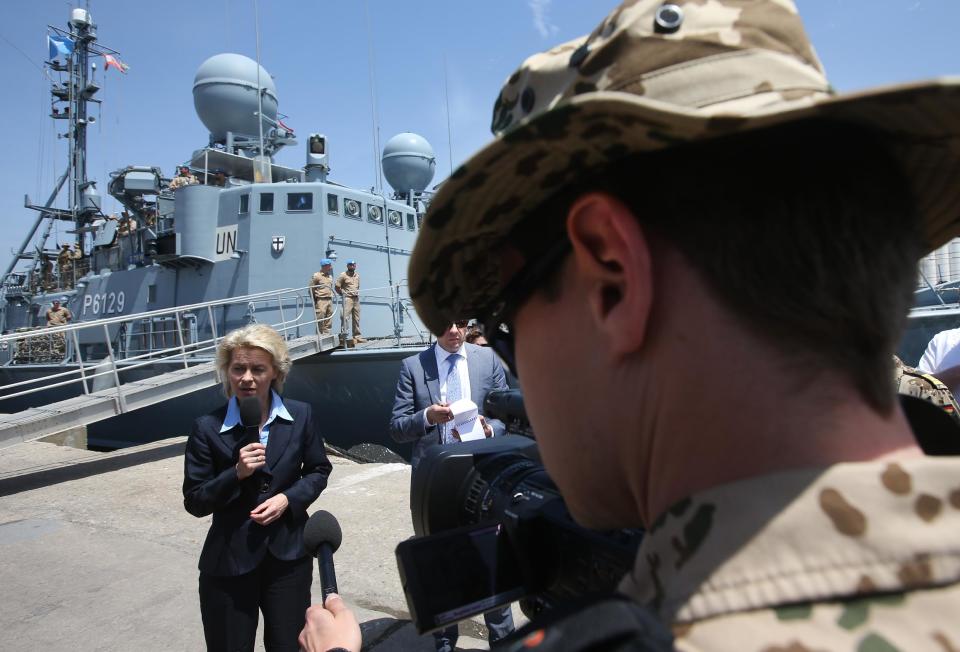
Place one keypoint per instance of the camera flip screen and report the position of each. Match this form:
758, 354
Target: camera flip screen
458, 574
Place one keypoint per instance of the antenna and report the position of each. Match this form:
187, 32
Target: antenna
261, 162
373, 101
446, 94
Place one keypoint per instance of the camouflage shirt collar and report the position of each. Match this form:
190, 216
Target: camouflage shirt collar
802, 536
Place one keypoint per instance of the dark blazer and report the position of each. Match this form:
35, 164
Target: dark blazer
296, 465
419, 387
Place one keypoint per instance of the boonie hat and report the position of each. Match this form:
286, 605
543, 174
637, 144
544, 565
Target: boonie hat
653, 75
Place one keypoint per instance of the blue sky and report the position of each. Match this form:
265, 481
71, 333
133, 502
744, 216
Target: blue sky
319, 53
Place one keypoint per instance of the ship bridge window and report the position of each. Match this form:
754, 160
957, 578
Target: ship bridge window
333, 204
411, 225
244, 204
395, 219
374, 214
351, 208
300, 201
266, 202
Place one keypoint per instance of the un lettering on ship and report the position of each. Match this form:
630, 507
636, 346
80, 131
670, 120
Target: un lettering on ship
226, 242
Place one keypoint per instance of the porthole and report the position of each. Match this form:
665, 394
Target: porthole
351, 207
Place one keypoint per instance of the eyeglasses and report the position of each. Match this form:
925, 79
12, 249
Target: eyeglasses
497, 327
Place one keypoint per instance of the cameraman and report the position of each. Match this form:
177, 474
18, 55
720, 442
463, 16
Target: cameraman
731, 249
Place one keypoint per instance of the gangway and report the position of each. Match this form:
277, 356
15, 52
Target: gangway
124, 347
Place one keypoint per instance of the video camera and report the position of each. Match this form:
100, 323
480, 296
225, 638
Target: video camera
492, 528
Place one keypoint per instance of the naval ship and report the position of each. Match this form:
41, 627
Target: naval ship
233, 238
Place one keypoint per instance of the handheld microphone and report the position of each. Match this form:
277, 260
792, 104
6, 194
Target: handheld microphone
322, 537
250, 418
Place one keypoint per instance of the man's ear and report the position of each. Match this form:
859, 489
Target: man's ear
612, 258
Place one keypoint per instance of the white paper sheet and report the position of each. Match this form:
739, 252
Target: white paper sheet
466, 420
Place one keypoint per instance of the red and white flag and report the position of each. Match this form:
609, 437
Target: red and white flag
110, 60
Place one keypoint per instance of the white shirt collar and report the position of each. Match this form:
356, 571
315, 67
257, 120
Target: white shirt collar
443, 354
277, 409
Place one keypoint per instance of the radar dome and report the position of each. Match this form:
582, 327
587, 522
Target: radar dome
408, 162
225, 95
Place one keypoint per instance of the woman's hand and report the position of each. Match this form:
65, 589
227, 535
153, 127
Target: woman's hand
270, 510
252, 457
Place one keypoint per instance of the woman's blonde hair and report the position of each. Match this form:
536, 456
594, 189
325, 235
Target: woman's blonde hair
254, 336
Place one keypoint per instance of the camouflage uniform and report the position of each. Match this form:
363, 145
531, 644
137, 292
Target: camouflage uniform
79, 268
65, 267
860, 556
46, 274
127, 226
182, 180
58, 316
321, 285
349, 286
913, 382
931, 409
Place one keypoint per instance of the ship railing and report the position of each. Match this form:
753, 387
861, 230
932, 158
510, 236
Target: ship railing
404, 306
392, 296
188, 349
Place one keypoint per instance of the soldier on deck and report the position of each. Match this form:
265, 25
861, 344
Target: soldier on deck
65, 267
56, 343
76, 256
58, 315
321, 287
348, 286
127, 225
46, 274
184, 178
151, 218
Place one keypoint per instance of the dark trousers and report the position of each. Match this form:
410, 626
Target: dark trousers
229, 605
499, 624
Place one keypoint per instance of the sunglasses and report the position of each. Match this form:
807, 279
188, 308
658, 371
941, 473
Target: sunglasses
497, 327
462, 323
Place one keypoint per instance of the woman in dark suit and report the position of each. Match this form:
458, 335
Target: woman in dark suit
258, 492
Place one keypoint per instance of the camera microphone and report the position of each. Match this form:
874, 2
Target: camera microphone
322, 537
250, 418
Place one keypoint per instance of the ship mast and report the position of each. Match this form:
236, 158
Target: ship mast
71, 52
80, 90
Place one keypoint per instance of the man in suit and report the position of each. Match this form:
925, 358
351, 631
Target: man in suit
429, 382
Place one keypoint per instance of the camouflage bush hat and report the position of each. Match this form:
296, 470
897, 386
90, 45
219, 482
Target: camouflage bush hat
652, 75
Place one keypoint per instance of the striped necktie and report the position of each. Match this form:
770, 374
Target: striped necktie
454, 393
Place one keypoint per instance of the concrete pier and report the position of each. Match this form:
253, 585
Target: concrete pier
98, 553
